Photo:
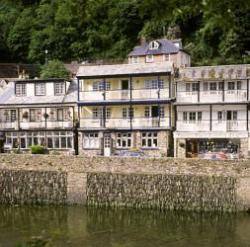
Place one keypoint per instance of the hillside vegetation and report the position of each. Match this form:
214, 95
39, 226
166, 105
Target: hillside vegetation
213, 32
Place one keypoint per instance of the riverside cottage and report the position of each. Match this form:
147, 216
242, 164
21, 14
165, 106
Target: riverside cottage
155, 103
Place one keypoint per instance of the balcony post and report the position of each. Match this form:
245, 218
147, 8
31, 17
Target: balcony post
247, 106
247, 89
18, 118
46, 119
159, 116
199, 91
78, 89
170, 115
104, 116
223, 91
130, 102
169, 85
104, 89
210, 117
158, 85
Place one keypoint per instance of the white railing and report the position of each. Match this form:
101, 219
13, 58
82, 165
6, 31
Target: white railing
150, 122
217, 126
235, 95
211, 96
118, 95
192, 125
92, 95
91, 123
59, 124
187, 97
118, 123
9, 125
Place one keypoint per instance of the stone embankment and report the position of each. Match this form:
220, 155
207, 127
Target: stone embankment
179, 184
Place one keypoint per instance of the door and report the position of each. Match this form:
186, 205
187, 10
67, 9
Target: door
232, 120
107, 145
155, 116
125, 89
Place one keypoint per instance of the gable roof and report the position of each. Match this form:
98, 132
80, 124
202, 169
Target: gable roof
119, 70
166, 47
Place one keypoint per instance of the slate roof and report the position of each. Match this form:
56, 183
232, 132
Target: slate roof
7, 97
166, 47
92, 71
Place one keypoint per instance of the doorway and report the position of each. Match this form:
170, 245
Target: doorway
125, 84
107, 144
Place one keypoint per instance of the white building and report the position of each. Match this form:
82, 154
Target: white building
212, 111
38, 112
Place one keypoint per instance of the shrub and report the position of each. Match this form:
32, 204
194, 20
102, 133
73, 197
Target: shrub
38, 149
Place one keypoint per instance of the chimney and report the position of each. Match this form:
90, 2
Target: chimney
143, 40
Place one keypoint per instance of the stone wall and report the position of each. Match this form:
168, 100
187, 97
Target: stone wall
178, 184
32, 187
199, 193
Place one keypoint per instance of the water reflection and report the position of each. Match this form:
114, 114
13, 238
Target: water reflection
79, 226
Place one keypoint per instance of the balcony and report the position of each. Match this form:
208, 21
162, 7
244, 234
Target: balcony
124, 95
48, 125
8, 125
120, 123
215, 96
217, 126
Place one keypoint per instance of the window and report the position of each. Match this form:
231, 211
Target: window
20, 89
13, 116
235, 115
219, 115
91, 140
59, 114
195, 87
188, 87
192, 116
99, 85
108, 113
97, 113
154, 84
238, 85
213, 86
185, 116
162, 111
127, 112
221, 85
147, 111
59, 88
205, 86
32, 115
154, 45
199, 116
149, 58
149, 139
231, 85
123, 140
135, 59
167, 57
40, 89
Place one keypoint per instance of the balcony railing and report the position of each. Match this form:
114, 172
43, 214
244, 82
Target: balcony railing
212, 96
135, 94
8, 125
217, 125
136, 122
48, 124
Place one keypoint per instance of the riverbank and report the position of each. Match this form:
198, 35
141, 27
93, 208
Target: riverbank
178, 184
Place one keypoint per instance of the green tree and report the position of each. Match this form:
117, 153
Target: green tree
54, 69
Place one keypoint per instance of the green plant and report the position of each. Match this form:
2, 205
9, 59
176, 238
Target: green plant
38, 149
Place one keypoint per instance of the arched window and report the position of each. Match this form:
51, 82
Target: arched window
154, 45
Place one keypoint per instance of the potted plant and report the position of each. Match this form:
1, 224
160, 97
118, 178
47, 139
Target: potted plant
25, 115
46, 115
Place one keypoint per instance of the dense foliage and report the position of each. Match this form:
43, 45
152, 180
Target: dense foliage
54, 69
212, 31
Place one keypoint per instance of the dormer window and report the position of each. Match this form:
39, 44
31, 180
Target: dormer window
59, 88
21, 89
40, 89
154, 45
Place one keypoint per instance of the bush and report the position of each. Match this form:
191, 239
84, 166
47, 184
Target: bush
38, 149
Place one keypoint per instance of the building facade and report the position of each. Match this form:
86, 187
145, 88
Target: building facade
38, 112
212, 108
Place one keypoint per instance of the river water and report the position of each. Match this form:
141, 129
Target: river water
88, 227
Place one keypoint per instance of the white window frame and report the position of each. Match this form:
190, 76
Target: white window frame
149, 139
149, 58
124, 140
59, 88
40, 89
21, 89
91, 140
